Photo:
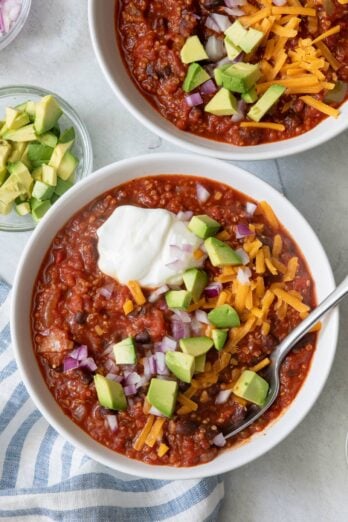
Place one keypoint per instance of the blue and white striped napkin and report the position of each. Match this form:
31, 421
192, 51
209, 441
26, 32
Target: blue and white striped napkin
43, 477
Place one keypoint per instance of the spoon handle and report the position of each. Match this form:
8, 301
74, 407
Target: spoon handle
331, 300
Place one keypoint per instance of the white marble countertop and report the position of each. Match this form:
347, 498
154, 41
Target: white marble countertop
305, 478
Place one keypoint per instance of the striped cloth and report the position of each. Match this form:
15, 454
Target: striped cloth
43, 477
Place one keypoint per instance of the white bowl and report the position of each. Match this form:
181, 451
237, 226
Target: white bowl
102, 29
88, 189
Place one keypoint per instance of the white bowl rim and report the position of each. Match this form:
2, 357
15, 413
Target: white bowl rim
277, 149
73, 433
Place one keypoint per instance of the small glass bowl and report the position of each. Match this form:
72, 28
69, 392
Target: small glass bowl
7, 38
82, 148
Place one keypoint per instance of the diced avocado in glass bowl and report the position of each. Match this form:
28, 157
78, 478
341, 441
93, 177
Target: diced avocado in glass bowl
44, 149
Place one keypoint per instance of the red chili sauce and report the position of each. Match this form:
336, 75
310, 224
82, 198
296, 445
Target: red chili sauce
68, 310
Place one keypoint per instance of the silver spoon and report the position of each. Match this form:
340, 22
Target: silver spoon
272, 373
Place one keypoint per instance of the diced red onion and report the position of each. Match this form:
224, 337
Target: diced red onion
79, 353
168, 344
155, 411
194, 99
208, 87
243, 255
143, 381
243, 230
215, 48
132, 378
185, 215
224, 61
222, 21
161, 363
180, 329
219, 440
130, 390
213, 290
147, 368
240, 115
110, 366
109, 350
234, 11
88, 364
106, 291
70, 363
79, 412
234, 3
222, 396
243, 276
182, 316
196, 327
112, 422
211, 24
279, 3
157, 293
238, 58
114, 377
202, 316
202, 194
152, 363
250, 208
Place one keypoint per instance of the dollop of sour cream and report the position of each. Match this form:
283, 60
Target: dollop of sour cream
151, 246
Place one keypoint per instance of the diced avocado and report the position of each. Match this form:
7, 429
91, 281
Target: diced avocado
224, 316
15, 119
49, 139
25, 157
39, 154
5, 152
195, 76
204, 226
21, 198
54, 198
56, 131
21, 107
162, 395
178, 299
223, 103
236, 32
49, 175
195, 281
40, 210
338, 93
3, 175
62, 186
251, 40
218, 73
67, 135
34, 203
232, 50
18, 183
219, 338
17, 152
110, 393
47, 113
267, 100
5, 208
193, 50
42, 191
250, 96
30, 109
196, 345
37, 174
23, 209
26, 133
124, 351
200, 363
251, 387
10, 116
221, 254
182, 365
240, 77
67, 166
58, 153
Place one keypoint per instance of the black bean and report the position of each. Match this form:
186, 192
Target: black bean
143, 337
185, 427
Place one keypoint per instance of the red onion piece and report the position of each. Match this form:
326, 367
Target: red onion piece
112, 422
161, 363
219, 440
202, 194
168, 344
234, 11
114, 377
208, 87
224, 61
185, 215
215, 48
243, 255
152, 363
196, 327
88, 364
222, 21
106, 291
180, 329
222, 396
130, 390
243, 230
110, 366
202, 316
213, 290
194, 99
182, 316
250, 208
243, 276
155, 411
211, 24
157, 293
132, 378
79, 353
70, 363
240, 115
147, 368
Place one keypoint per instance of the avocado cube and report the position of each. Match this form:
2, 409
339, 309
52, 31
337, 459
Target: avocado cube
251, 387
54, 198
200, 363
17, 184
49, 175
162, 395
223, 103
37, 174
58, 153
182, 365
240, 77
39, 154
5, 152
62, 186
47, 114
193, 50
250, 96
42, 191
267, 100
219, 338
178, 299
236, 32
221, 254
3, 175
21, 107
40, 210
204, 226
196, 345
48, 139
30, 109
195, 281
110, 393
124, 351
10, 116
25, 157
251, 40
17, 152
15, 119
195, 76
34, 203
218, 73
67, 166
23, 209
26, 133
67, 135
232, 50
224, 316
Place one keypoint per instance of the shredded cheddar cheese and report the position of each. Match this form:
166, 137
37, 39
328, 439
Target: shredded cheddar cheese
155, 432
269, 214
291, 300
128, 306
263, 125
320, 106
259, 366
140, 441
328, 33
185, 401
162, 450
136, 292
296, 11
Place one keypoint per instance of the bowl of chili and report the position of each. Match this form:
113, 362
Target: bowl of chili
73, 313
180, 68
